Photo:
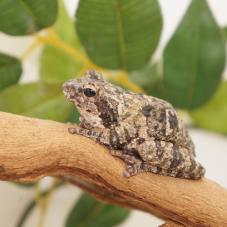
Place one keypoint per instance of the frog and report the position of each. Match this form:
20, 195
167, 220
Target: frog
144, 131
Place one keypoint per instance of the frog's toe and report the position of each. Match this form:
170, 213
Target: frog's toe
132, 170
73, 130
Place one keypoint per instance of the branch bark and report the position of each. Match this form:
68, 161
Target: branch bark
31, 149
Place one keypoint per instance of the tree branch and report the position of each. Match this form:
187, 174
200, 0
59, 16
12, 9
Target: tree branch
32, 148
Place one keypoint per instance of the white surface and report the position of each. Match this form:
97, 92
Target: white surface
211, 148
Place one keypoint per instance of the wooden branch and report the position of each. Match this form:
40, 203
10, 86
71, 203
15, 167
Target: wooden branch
171, 224
32, 148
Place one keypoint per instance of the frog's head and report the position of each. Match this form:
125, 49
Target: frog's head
92, 97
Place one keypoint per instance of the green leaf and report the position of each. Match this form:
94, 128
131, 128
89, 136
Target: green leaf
36, 100
150, 79
56, 65
88, 212
26, 185
73, 116
10, 70
23, 17
194, 58
64, 26
213, 115
57, 109
119, 34
225, 33
19, 99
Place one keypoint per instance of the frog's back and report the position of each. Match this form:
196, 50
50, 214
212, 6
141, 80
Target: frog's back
163, 122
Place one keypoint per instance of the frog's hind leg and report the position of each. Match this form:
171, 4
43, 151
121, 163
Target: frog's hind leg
133, 163
133, 166
166, 158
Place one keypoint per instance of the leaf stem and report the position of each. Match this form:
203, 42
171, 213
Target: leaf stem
51, 38
122, 79
43, 201
33, 203
59, 44
30, 49
27, 211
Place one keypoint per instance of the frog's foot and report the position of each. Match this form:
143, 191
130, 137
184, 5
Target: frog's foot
117, 153
133, 166
132, 170
74, 130
127, 158
83, 132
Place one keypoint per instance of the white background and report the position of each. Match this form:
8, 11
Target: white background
211, 148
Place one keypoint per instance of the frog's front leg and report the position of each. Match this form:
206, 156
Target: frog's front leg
84, 132
99, 135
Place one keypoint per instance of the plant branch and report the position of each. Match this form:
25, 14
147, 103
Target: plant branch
30, 49
42, 200
52, 39
31, 149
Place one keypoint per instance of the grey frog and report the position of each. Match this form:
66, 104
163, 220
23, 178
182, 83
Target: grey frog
142, 130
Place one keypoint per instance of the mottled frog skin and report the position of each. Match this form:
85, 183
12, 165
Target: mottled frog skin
142, 130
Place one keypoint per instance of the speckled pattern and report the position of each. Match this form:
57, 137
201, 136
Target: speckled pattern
142, 130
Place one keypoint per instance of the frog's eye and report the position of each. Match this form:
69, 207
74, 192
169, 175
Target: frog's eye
89, 92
